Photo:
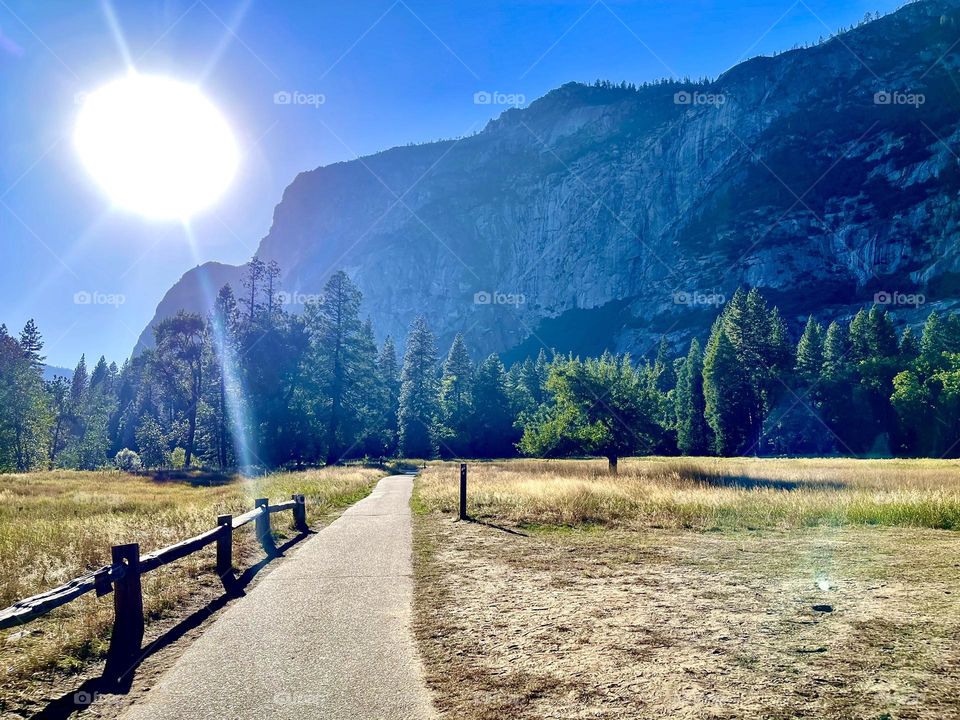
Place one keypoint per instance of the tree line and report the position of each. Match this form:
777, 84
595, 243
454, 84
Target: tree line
254, 386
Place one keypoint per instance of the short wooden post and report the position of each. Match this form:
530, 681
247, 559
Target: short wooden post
463, 491
128, 613
225, 550
262, 526
300, 513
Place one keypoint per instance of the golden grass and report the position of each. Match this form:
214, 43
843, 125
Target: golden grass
57, 525
704, 493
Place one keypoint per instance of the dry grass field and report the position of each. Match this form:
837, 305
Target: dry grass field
57, 525
692, 588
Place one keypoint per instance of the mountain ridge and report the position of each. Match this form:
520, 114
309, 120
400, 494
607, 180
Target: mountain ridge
618, 208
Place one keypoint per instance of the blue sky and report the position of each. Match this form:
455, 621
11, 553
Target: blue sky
390, 72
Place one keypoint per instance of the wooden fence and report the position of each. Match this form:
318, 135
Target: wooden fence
122, 576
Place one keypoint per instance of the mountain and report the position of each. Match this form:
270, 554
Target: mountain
607, 216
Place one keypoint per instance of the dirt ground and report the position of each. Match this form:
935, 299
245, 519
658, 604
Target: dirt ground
803, 623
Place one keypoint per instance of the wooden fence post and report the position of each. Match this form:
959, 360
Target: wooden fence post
225, 551
300, 513
463, 491
127, 634
262, 526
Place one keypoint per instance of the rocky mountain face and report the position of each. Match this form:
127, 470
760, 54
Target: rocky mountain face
605, 217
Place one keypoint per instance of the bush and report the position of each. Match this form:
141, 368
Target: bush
178, 458
127, 460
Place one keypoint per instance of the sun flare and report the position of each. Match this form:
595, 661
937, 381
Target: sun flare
156, 146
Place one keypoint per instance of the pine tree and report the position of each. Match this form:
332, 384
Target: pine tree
78, 386
222, 371
809, 363
389, 374
100, 373
492, 428
836, 352
693, 432
728, 396
31, 341
664, 377
418, 393
24, 408
881, 335
909, 347
456, 400
933, 343
253, 284
178, 358
859, 337
335, 337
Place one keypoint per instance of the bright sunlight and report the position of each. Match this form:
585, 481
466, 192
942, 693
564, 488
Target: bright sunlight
156, 146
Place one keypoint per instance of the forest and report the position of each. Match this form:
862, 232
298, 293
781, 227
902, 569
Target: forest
255, 387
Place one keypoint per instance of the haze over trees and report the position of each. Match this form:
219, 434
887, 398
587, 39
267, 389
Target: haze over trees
254, 386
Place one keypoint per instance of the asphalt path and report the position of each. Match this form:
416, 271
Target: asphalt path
327, 634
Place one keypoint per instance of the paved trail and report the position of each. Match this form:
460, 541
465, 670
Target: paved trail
325, 635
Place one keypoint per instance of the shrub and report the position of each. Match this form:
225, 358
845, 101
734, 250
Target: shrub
127, 460
178, 458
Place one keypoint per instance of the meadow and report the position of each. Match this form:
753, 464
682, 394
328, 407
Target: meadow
691, 587
57, 525
705, 493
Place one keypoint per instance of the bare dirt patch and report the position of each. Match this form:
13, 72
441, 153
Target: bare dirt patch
802, 623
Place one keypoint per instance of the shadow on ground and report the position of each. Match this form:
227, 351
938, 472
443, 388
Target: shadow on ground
101, 690
755, 483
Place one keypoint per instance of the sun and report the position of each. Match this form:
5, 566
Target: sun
156, 146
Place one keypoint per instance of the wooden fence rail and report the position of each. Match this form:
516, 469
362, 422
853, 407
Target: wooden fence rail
122, 576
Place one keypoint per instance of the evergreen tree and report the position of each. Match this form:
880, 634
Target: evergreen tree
367, 393
933, 344
253, 285
664, 377
859, 335
909, 347
911, 400
24, 410
335, 338
492, 427
418, 394
728, 396
31, 343
456, 401
809, 363
389, 373
78, 386
178, 363
100, 373
693, 432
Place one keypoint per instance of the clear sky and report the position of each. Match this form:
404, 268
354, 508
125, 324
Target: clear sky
390, 72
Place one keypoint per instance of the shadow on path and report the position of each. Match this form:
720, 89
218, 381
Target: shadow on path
96, 690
